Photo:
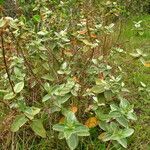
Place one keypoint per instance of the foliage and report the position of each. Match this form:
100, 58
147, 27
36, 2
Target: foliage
60, 61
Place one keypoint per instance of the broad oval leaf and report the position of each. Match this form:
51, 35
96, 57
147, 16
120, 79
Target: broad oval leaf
73, 141
18, 87
46, 97
18, 122
38, 128
123, 142
9, 96
59, 127
123, 121
30, 112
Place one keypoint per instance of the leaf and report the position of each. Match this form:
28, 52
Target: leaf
102, 116
30, 112
81, 128
115, 114
91, 122
127, 132
123, 142
61, 99
2, 21
82, 32
68, 132
36, 18
48, 77
132, 116
62, 120
98, 89
135, 55
18, 122
114, 107
104, 136
123, 121
87, 42
18, 87
73, 141
59, 127
124, 103
38, 128
46, 97
9, 96
61, 135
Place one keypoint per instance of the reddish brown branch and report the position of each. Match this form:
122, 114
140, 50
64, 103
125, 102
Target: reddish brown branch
5, 63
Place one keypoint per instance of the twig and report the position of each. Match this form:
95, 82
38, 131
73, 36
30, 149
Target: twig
108, 145
5, 63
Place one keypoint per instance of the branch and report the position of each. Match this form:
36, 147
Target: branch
5, 63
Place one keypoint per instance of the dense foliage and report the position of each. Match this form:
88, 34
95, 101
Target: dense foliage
61, 73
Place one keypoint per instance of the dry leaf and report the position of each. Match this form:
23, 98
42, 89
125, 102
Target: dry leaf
93, 35
102, 136
82, 32
91, 122
62, 120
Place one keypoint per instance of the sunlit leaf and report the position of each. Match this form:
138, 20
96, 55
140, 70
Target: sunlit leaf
38, 128
18, 122
18, 87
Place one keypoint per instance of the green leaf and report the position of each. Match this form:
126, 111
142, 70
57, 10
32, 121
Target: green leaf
102, 116
61, 135
123, 142
127, 132
36, 18
132, 116
73, 141
68, 132
98, 89
59, 127
46, 97
9, 96
18, 87
62, 99
30, 112
124, 103
123, 121
48, 77
18, 122
115, 114
114, 107
38, 128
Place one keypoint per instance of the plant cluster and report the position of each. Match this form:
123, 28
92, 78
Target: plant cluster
59, 65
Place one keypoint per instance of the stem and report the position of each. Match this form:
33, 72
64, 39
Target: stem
108, 146
5, 63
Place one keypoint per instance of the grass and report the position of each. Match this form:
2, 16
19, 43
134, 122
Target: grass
137, 73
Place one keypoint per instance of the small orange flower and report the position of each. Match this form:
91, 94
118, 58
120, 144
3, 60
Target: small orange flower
74, 109
147, 64
91, 122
